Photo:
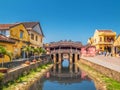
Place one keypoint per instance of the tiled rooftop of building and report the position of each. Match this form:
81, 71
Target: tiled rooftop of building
104, 30
6, 39
26, 24
5, 26
29, 24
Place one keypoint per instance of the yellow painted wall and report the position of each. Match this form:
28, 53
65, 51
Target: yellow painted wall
15, 34
35, 43
90, 40
17, 48
116, 45
117, 41
9, 47
101, 46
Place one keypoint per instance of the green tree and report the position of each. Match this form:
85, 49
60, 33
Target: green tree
35, 50
1, 80
41, 51
27, 49
4, 52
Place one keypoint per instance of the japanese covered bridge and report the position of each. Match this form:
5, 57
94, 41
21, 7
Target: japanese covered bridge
64, 50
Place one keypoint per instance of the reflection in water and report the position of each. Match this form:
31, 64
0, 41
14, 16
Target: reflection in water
65, 78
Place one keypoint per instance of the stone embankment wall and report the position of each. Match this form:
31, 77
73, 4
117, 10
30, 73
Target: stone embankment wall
104, 70
18, 71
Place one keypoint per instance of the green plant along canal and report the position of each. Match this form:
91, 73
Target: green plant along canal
64, 77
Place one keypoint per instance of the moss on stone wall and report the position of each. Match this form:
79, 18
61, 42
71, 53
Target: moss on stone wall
1, 78
105, 82
26, 79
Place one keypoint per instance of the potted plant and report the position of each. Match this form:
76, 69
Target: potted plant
27, 49
4, 52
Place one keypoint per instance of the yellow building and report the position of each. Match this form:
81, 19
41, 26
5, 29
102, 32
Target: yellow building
23, 34
8, 44
35, 33
90, 41
116, 46
103, 40
19, 34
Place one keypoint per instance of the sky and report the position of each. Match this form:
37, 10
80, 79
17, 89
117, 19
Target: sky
74, 20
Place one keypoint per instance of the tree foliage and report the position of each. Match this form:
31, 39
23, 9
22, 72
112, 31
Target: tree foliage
4, 52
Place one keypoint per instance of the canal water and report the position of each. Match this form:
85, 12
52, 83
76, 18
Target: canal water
64, 77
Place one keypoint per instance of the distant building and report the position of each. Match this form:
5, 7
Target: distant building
88, 51
103, 40
116, 46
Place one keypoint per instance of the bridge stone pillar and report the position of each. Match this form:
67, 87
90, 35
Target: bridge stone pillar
59, 58
54, 58
76, 57
71, 58
54, 68
71, 68
59, 68
76, 69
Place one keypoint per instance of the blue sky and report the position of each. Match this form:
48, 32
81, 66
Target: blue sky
64, 19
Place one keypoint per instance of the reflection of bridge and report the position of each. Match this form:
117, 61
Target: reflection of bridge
65, 75
69, 80
71, 74
60, 71
64, 50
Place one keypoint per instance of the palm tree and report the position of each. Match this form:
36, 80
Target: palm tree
4, 52
41, 51
27, 49
35, 50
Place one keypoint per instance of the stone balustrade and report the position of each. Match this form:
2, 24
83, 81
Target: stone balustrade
18, 62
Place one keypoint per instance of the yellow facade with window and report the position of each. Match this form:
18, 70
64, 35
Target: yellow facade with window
35, 32
116, 47
19, 34
23, 34
103, 39
21, 37
35, 39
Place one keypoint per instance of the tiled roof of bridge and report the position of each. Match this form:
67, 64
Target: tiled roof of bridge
65, 43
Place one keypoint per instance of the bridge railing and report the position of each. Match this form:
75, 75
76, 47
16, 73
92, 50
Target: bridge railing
65, 50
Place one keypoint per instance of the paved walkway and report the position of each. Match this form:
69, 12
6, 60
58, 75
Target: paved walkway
106, 61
